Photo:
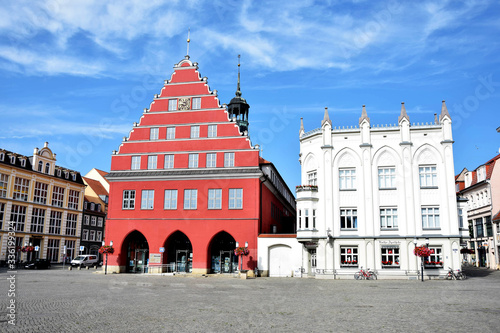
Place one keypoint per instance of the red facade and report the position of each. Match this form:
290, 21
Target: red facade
187, 185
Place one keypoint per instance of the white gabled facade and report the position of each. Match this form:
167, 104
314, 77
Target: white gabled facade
368, 192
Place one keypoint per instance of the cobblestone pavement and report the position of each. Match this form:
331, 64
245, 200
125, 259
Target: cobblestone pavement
58, 300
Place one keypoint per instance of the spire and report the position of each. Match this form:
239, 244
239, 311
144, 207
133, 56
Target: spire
403, 114
188, 40
238, 90
364, 116
326, 118
301, 125
444, 112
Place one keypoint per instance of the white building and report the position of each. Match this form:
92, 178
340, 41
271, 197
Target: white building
369, 192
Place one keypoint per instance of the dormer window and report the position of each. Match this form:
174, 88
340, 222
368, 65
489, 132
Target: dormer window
66, 174
2, 156
12, 159
23, 162
59, 173
92, 206
74, 177
481, 173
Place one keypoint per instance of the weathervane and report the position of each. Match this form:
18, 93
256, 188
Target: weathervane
188, 40
238, 91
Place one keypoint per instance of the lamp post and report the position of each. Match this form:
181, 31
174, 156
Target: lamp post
106, 264
422, 263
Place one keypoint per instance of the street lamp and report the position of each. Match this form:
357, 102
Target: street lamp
106, 265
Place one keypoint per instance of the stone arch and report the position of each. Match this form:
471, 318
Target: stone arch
134, 252
178, 253
221, 253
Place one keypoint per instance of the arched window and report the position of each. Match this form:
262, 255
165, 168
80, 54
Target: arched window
47, 168
40, 166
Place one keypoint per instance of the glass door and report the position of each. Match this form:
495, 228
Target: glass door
183, 261
226, 265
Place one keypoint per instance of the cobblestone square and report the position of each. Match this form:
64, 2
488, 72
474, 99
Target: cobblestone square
58, 300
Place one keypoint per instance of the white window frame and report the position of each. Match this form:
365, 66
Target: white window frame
211, 161
93, 221
85, 234
71, 222
86, 220
349, 256
212, 131
154, 133
53, 249
152, 162
21, 189
215, 198
312, 178
170, 133
348, 219
40, 193
98, 236
135, 162
193, 161
92, 235
4, 183
196, 103
128, 201
436, 257
58, 196
37, 220
55, 222
235, 200
428, 176
172, 104
430, 217
390, 256
18, 216
190, 199
195, 132
170, 202
389, 218
100, 222
347, 179
73, 199
387, 178
147, 199
169, 161
228, 160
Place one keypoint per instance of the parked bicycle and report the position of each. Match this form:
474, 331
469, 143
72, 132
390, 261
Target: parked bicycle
459, 275
365, 274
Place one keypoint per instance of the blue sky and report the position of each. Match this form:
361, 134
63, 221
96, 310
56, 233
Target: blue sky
78, 73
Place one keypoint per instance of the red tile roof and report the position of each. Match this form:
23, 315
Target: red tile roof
96, 186
103, 174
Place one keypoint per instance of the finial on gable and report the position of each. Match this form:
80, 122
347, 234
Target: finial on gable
364, 115
301, 131
403, 114
188, 40
238, 90
444, 112
326, 118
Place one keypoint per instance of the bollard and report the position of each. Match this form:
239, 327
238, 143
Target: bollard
70, 268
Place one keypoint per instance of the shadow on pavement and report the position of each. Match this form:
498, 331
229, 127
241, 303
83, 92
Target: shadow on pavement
472, 271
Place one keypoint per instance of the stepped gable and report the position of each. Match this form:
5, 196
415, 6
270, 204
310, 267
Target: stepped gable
185, 100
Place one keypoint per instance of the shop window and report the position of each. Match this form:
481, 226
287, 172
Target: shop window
348, 256
435, 260
390, 257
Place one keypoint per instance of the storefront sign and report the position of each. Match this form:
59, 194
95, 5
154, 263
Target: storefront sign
155, 258
389, 242
310, 245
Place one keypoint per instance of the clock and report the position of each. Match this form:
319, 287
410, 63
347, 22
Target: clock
184, 103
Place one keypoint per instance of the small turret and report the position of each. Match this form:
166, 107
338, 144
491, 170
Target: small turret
238, 107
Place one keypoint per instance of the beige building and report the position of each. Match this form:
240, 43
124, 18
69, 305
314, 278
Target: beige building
41, 207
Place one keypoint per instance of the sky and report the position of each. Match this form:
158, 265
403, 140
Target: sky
77, 74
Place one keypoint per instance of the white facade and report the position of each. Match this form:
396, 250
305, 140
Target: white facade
368, 192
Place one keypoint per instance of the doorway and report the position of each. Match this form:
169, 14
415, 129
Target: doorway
179, 254
136, 247
222, 255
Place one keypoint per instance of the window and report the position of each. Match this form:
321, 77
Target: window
40, 166
2, 156
299, 217
152, 161
18, 217
128, 199
312, 178
193, 161
428, 176
169, 161
170, 199
387, 178
430, 218
348, 219
196, 103
479, 227
170, 133
435, 259
47, 168
228, 160
347, 179
93, 221
86, 220
40, 195
53, 250
212, 131
390, 257
71, 221
388, 218
136, 163
4, 180
73, 199
489, 226
147, 200
306, 218
195, 132
21, 187
172, 104
190, 199
57, 196
235, 198
460, 218
85, 234
92, 235
314, 218
348, 256
98, 236
153, 133
70, 248
37, 220
100, 222
214, 199
55, 222
211, 160
2, 214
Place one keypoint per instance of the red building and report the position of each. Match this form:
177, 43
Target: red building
187, 186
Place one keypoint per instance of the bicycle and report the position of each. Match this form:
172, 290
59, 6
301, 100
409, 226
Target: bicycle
365, 274
459, 275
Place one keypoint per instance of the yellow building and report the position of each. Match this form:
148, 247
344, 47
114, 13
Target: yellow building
41, 207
